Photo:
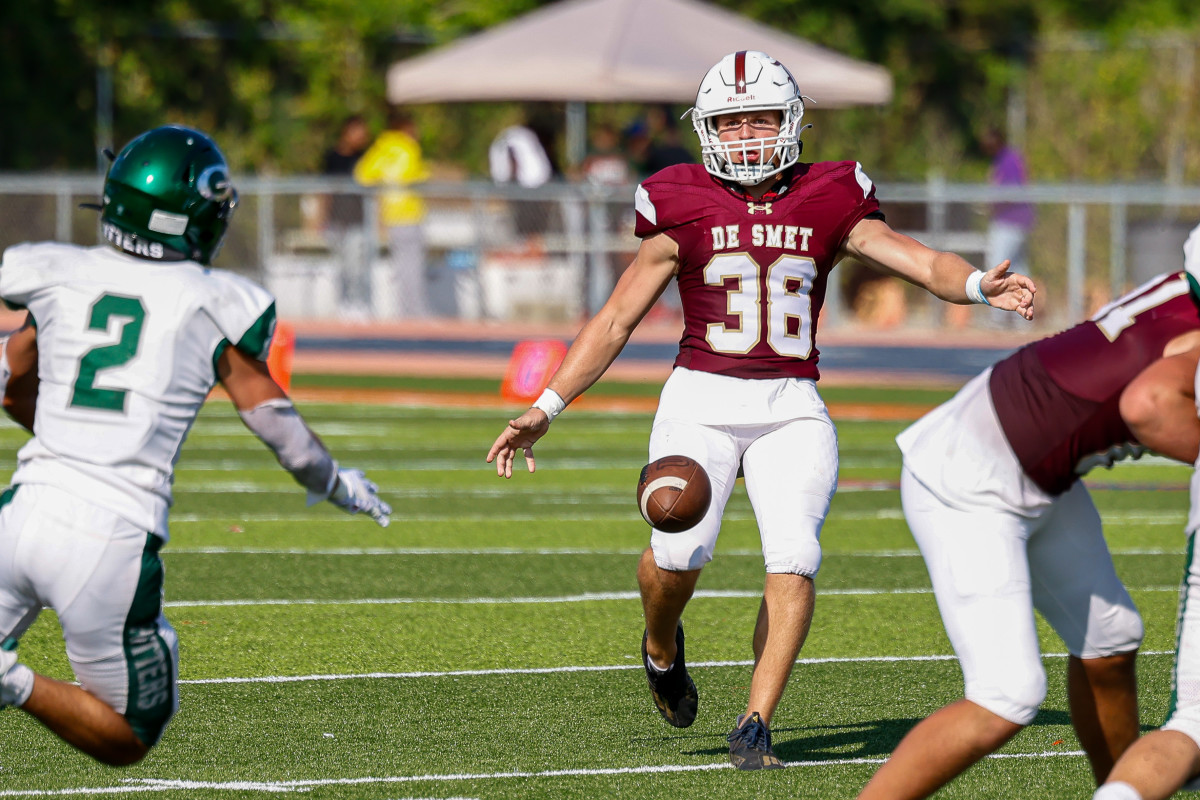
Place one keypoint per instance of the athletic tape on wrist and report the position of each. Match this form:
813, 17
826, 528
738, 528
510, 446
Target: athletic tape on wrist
974, 290
551, 403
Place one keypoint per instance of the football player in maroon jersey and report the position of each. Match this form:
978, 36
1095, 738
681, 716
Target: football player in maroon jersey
1160, 407
751, 236
991, 492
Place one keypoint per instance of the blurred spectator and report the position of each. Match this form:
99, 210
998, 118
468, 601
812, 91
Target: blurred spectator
637, 146
522, 154
1008, 230
517, 156
666, 149
606, 165
394, 160
343, 217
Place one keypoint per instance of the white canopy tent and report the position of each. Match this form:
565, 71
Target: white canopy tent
582, 51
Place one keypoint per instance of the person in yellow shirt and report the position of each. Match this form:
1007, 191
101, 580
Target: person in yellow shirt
394, 160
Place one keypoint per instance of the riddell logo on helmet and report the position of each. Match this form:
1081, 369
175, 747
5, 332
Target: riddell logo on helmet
739, 98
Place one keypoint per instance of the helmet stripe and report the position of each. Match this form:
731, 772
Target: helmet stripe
739, 72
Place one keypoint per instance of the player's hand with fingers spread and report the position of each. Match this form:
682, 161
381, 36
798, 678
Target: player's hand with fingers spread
520, 434
353, 493
1009, 291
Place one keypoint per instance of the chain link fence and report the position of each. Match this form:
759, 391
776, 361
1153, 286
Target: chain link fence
482, 252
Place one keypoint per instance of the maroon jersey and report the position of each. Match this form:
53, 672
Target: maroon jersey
753, 272
1057, 399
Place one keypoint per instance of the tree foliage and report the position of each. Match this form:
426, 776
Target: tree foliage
1106, 93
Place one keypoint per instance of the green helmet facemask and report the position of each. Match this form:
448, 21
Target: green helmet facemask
168, 196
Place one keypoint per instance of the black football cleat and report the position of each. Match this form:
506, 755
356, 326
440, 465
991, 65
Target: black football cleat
674, 693
750, 744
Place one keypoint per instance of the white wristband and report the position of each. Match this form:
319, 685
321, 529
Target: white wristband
550, 403
974, 291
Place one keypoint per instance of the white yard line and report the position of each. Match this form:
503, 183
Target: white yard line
584, 597
480, 673
556, 551
169, 785
549, 514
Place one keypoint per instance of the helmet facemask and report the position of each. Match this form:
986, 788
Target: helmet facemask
743, 83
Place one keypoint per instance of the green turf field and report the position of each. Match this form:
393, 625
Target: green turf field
486, 644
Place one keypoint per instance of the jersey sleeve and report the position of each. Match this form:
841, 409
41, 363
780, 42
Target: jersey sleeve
21, 275
859, 191
666, 201
244, 312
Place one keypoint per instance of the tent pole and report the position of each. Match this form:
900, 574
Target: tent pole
576, 132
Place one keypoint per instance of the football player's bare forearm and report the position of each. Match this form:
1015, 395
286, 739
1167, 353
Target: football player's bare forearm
592, 353
942, 274
21, 387
948, 275
21, 406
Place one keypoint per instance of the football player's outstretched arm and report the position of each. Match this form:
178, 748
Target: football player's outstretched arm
1159, 406
19, 375
594, 349
266, 410
943, 274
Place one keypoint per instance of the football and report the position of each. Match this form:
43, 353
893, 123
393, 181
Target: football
673, 493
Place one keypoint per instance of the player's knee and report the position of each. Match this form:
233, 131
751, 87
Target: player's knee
679, 552
793, 545
124, 754
801, 557
1014, 696
1185, 718
153, 690
147, 726
1124, 631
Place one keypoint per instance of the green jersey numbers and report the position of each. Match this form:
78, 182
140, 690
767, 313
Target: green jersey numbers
132, 314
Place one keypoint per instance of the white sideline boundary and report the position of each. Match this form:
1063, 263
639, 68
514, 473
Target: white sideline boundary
167, 785
475, 673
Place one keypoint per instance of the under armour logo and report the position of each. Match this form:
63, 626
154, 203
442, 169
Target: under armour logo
753, 207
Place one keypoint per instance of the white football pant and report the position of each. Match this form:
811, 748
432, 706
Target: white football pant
990, 569
779, 433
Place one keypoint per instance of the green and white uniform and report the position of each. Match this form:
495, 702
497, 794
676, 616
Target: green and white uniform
1183, 714
127, 352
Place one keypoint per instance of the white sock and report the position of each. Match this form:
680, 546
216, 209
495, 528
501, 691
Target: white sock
1118, 790
16, 685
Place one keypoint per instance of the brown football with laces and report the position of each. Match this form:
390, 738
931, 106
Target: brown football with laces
673, 493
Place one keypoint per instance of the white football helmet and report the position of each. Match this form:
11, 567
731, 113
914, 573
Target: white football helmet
748, 80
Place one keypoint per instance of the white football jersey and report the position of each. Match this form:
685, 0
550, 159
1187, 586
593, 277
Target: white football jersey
127, 352
1193, 523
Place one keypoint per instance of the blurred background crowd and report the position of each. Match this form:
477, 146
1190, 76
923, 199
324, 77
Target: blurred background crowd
1063, 135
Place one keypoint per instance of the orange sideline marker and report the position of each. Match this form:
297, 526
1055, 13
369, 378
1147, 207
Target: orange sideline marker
279, 357
533, 362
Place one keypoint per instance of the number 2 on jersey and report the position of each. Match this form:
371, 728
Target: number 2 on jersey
85, 393
788, 283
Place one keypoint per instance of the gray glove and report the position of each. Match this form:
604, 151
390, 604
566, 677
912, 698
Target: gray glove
354, 493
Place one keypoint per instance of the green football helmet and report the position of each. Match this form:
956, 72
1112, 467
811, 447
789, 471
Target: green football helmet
168, 196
